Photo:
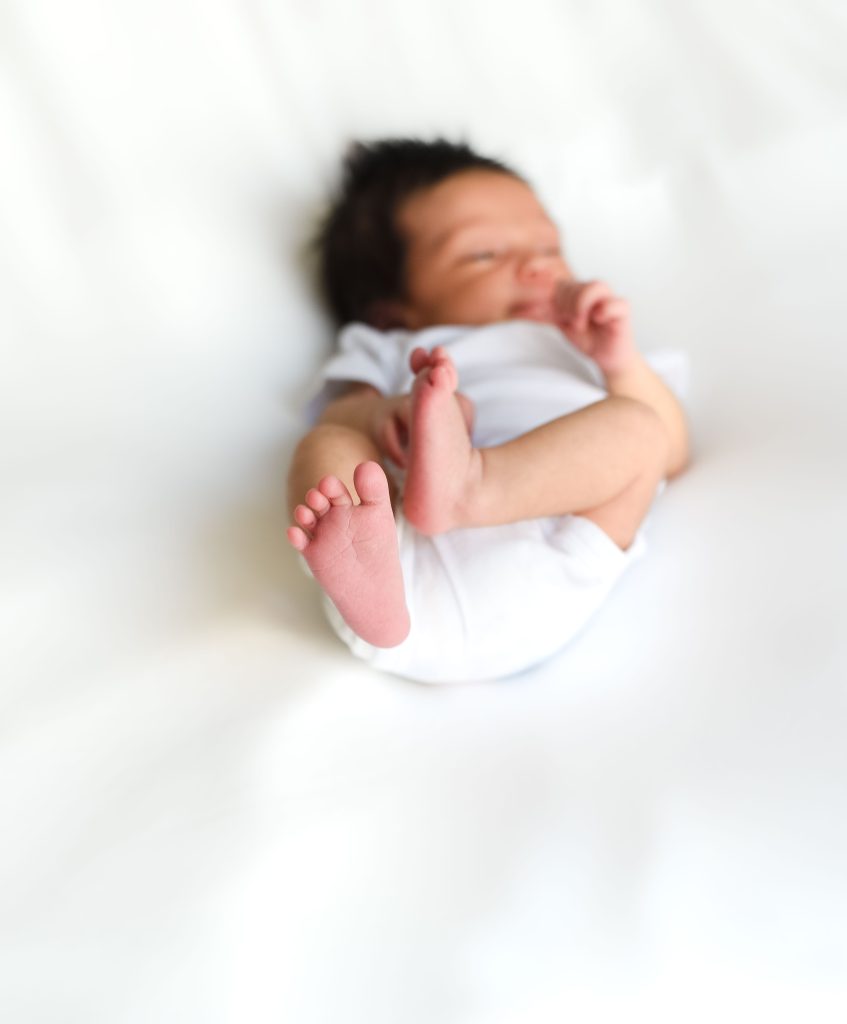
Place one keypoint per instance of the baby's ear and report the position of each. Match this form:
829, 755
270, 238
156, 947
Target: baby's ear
387, 315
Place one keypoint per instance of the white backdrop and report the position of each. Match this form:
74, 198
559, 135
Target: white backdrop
209, 812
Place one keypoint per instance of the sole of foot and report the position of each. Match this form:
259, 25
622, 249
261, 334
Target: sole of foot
352, 552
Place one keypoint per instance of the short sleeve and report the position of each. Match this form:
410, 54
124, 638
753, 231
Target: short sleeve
365, 356
673, 366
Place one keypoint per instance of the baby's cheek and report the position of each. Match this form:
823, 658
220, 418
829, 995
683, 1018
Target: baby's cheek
483, 304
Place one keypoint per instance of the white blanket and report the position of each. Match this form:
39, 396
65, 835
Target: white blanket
210, 812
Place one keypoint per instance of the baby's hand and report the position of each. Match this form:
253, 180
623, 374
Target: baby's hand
597, 322
390, 426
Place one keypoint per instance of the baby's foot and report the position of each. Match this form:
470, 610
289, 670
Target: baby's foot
353, 554
443, 464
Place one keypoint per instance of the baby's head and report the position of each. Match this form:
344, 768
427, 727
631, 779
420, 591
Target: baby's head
427, 233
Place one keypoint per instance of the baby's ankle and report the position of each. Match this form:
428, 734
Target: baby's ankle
472, 504
463, 508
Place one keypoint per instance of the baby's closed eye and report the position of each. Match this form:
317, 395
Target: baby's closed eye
481, 255
484, 255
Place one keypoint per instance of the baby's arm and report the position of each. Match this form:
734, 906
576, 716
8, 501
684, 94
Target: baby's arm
638, 380
598, 323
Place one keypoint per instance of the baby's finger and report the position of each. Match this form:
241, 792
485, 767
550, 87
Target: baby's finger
575, 299
394, 436
609, 309
587, 297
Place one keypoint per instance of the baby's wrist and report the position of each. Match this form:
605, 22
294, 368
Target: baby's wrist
622, 366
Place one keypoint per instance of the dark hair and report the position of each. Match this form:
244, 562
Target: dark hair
361, 251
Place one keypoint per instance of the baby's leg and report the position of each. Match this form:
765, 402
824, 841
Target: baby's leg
350, 548
603, 462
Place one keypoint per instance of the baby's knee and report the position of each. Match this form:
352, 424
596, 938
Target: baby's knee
329, 438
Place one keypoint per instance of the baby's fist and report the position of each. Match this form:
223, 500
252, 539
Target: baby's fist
597, 322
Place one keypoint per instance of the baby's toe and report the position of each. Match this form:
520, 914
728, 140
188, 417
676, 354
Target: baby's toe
335, 491
317, 501
419, 359
371, 484
305, 517
297, 538
444, 372
444, 376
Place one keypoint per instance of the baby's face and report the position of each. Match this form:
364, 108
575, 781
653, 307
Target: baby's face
480, 249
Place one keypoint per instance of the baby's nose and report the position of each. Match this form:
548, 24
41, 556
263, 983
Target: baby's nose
536, 266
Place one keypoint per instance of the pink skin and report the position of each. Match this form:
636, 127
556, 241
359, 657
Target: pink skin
481, 249
353, 554
442, 462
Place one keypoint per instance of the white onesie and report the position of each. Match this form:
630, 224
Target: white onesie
490, 601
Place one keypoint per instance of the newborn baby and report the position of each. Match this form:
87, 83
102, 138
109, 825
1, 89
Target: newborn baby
488, 440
